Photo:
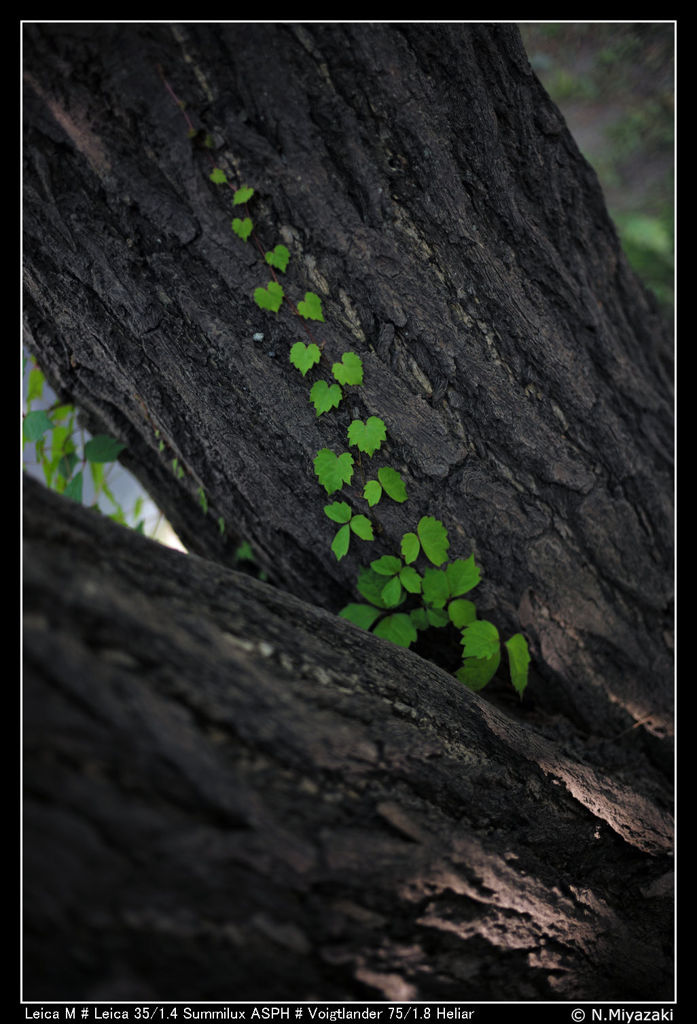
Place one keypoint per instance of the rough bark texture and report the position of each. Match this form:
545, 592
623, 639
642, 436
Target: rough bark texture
231, 794
431, 194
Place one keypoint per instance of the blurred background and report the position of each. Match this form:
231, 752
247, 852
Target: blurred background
614, 84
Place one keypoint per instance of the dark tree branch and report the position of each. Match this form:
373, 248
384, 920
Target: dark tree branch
232, 793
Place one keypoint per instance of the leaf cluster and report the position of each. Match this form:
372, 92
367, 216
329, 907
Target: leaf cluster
433, 597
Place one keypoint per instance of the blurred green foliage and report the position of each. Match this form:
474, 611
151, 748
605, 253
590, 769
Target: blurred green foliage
614, 84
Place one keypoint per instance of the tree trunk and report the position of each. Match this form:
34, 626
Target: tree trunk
234, 794
431, 195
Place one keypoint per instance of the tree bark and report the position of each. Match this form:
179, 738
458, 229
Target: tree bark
430, 193
232, 794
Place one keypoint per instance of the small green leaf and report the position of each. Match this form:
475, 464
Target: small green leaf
410, 579
203, 500
475, 673
437, 617
410, 547
325, 396
368, 436
36, 424
419, 618
242, 195
340, 544
218, 176
244, 552
392, 592
362, 527
349, 370
311, 307
362, 615
518, 661
386, 565
338, 511
480, 639
278, 257
221, 525
333, 471
462, 575
35, 387
370, 585
74, 488
461, 612
304, 357
393, 483
243, 228
434, 539
435, 587
398, 628
103, 448
372, 492
270, 297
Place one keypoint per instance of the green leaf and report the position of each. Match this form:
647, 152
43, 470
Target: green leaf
35, 386
278, 257
304, 357
325, 396
386, 565
368, 436
435, 587
243, 228
67, 464
36, 424
462, 575
410, 547
437, 617
218, 176
242, 195
340, 544
221, 525
338, 511
63, 412
398, 628
362, 527
203, 500
74, 488
103, 448
410, 579
311, 307
60, 442
461, 612
475, 673
333, 471
370, 585
372, 492
419, 618
480, 639
244, 552
97, 474
362, 615
392, 592
349, 370
518, 661
270, 297
393, 483
434, 539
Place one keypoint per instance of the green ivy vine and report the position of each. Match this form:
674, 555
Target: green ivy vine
412, 590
